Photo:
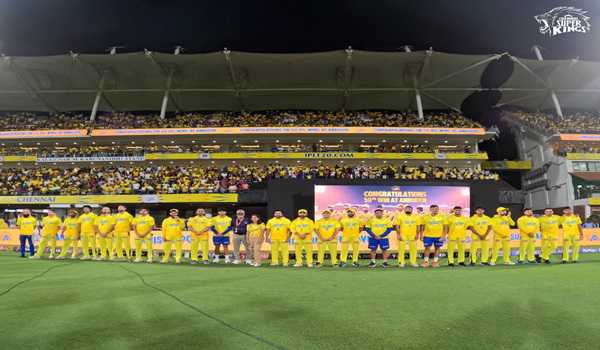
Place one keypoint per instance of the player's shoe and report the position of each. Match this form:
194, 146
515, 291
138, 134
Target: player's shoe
177, 261
372, 265
451, 264
60, 257
51, 256
491, 263
137, 260
425, 264
216, 259
309, 265
205, 262
574, 262
385, 264
509, 263
546, 261
34, 257
318, 265
485, 263
194, 262
564, 262
436, 264
73, 257
520, 262
401, 265
414, 265
472, 263
462, 264
355, 264
343, 264
256, 265
249, 262
297, 265
235, 262
227, 260
149, 261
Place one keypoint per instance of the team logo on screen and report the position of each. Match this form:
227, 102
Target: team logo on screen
562, 20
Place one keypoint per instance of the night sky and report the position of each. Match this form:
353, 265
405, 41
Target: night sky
42, 27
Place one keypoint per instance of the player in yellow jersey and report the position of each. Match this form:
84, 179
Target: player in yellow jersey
549, 227
481, 227
278, 233
105, 225
27, 225
351, 229
199, 227
302, 229
70, 232
142, 226
379, 228
51, 225
256, 234
87, 231
501, 223
528, 226
327, 229
434, 227
172, 230
572, 234
457, 234
407, 227
221, 228
123, 221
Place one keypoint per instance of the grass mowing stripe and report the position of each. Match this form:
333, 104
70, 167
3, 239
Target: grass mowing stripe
33, 277
205, 314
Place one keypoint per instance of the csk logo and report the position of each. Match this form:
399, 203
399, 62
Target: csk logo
564, 19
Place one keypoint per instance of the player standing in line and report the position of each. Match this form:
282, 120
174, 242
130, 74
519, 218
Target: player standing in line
528, 226
278, 234
221, 228
26, 224
327, 229
199, 227
105, 225
70, 232
122, 241
407, 226
172, 228
302, 229
433, 230
379, 228
549, 226
51, 224
501, 223
256, 234
87, 222
351, 228
457, 234
572, 234
481, 226
142, 226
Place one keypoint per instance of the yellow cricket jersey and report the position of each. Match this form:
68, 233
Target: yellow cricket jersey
200, 223
221, 224
143, 223
501, 225
104, 223
173, 228
3, 223
379, 226
26, 225
123, 223
408, 225
480, 223
528, 225
278, 228
434, 225
549, 225
327, 227
255, 230
365, 217
303, 226
570, 224
51, 225
71, 227
457, 226
351, 227
87, 222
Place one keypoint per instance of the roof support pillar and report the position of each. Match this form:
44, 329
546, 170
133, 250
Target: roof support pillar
233, 78
419, 104
538, 55
165, 100
347, 77
97, 99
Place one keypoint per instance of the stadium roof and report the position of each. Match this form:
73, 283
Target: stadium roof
229, 80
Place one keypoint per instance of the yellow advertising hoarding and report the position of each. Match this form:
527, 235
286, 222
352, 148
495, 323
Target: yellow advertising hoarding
316, 155
42, 134
124, 199
583, 156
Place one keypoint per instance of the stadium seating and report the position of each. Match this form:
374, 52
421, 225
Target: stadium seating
575, 123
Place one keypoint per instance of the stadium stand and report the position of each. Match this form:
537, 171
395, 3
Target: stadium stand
576, 123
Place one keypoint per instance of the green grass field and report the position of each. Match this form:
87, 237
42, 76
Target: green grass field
96, 305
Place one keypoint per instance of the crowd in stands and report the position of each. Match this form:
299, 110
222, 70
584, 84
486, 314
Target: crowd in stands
202, 179
132, 151
575, 123
562, 149
30, 121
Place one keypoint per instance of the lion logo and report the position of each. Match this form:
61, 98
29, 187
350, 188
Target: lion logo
564, 19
